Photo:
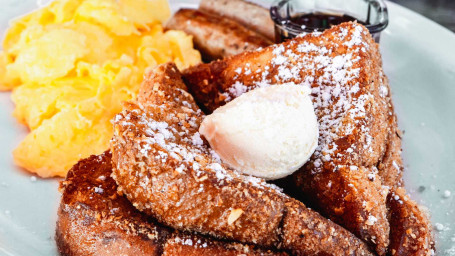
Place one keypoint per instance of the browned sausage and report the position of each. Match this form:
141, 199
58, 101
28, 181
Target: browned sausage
248, 14
216, 37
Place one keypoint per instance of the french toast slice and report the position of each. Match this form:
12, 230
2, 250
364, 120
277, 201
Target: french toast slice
342, 66
167, 171
94, 220
358, 160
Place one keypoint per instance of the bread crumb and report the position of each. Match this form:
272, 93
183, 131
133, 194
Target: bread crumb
234, 215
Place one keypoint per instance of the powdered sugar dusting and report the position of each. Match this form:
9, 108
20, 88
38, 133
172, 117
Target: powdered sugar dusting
371, 220
236, 90
176, 139
332, 78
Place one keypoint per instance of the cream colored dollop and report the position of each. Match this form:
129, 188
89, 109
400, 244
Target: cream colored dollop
268, 132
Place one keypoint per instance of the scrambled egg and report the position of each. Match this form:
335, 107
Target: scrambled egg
71, 65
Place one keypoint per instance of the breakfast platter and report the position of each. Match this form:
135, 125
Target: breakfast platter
417, 57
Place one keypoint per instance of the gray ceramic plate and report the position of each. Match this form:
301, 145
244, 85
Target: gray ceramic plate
419, 59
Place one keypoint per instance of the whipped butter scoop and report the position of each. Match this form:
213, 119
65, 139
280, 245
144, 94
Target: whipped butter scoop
268, 132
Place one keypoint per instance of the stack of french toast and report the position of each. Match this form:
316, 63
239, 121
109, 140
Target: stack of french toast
161, 190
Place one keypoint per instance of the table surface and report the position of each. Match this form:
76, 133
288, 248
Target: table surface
441, 11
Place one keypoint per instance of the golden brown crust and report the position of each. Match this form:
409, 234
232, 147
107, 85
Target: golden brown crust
250, 15
185, 201
366, 164
340, 192
194, 245
411, 233
167, 171
154, 78
390, 168
95, 220
214, 36
302, 227
343, 68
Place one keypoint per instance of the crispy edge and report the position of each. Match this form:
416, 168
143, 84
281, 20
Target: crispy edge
412, 232
100, 222
195, 245
94, 220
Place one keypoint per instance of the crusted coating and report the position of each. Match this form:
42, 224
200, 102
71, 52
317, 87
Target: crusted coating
390, 168
358, 161
195, 245
95, 220
412, 231
342, 66
169, 172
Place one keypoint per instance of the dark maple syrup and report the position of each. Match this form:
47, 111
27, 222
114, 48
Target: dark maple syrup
310, 22
322, 21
